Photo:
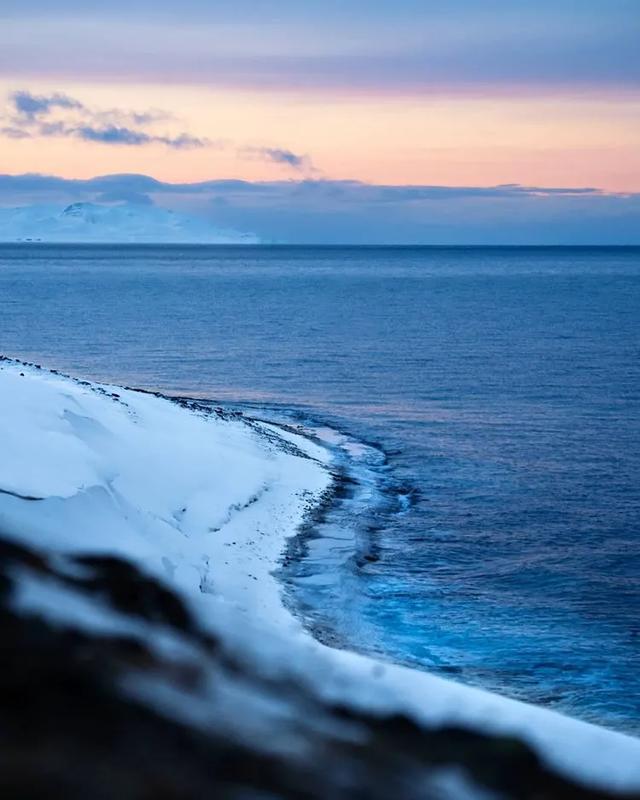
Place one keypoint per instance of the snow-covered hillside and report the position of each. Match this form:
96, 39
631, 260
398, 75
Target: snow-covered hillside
139, 539
111, 224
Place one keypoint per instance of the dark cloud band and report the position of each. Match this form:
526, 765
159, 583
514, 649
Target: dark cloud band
339, 212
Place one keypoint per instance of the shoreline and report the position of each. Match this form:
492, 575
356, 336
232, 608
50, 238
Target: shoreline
249, 578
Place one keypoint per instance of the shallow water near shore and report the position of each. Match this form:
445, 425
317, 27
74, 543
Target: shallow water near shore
489, 523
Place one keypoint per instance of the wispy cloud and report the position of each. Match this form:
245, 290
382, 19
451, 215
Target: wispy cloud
29, 106
31, 116
112, 134
11, 132
58, 115
280, 155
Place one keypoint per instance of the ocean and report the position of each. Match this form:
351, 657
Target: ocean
487, 401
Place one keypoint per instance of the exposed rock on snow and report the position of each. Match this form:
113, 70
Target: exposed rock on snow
72, 726
146, 649
111, 224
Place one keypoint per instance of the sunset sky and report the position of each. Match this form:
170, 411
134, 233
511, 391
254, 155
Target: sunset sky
410, 93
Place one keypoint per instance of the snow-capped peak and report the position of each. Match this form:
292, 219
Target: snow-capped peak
120, 223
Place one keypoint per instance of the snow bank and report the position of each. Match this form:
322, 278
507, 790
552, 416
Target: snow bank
205, 502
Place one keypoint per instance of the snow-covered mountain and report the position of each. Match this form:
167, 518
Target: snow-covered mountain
122, 223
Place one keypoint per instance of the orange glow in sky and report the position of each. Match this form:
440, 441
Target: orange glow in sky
570, 140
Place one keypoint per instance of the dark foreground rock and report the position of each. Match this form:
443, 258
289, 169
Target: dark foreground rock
79, 719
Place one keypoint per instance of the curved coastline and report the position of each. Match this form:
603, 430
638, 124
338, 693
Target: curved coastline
251, 579
325, 575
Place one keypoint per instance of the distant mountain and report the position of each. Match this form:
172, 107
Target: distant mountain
122, 223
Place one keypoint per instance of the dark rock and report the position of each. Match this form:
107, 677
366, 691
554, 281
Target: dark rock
68, 730
128, 590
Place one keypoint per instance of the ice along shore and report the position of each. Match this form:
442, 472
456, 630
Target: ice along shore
125, 516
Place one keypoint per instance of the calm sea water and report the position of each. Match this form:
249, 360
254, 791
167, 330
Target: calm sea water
501, 385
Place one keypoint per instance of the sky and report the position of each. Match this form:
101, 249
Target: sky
337, 100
